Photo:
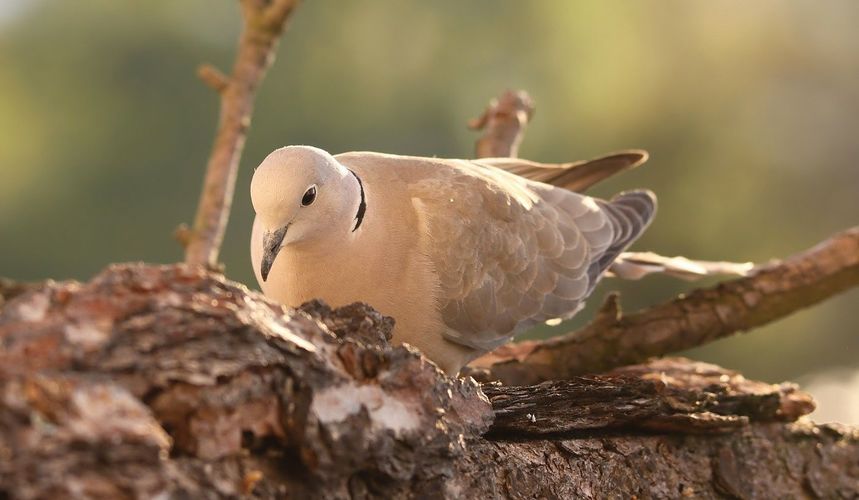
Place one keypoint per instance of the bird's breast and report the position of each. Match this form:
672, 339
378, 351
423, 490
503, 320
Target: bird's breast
338, 278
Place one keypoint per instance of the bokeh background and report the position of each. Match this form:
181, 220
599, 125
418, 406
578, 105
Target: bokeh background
750, 112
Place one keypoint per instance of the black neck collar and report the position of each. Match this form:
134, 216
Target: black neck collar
362, 207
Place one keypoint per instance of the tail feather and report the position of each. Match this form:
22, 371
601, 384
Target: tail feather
630, 213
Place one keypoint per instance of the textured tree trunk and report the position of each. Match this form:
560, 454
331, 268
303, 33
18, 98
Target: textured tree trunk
171, 381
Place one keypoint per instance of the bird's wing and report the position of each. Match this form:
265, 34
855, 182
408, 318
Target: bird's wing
636, 265
510, 253
576, 176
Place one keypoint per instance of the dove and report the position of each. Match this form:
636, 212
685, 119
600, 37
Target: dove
463, 254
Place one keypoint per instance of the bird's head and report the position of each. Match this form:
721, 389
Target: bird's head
301, 195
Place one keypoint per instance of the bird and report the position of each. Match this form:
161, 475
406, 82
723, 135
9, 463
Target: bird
462, 254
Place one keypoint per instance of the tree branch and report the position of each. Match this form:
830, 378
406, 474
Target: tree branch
213, 77
263, 24
503, 124
702, 316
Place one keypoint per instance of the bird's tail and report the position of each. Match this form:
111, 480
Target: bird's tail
630, 213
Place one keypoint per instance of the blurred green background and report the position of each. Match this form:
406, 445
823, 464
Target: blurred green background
750, 112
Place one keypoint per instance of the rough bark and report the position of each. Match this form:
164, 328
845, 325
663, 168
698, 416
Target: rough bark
672, 394
760, 461
10, 289
263, 24
170, 381
701, 316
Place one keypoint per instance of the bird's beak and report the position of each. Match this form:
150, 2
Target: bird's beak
271, 241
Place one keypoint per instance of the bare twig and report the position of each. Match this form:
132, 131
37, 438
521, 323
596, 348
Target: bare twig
213, 77
613, 339
263, 24
182, 234
503, 124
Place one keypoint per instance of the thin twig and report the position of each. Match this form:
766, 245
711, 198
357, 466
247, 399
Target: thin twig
702, 316
263, 24
213, 77
503, 124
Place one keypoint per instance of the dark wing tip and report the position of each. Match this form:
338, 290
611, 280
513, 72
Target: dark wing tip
630, 212
643, 201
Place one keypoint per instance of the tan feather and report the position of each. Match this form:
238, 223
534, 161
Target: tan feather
551, 239
636, 265
576, 176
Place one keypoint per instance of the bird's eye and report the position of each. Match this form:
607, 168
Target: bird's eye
309, 196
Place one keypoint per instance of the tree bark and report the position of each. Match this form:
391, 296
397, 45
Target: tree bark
172, 381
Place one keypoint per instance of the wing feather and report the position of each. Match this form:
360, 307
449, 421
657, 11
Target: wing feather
575, 176
510, 252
